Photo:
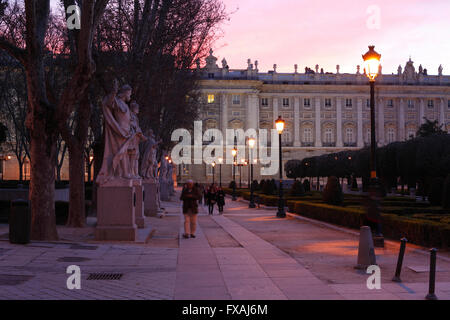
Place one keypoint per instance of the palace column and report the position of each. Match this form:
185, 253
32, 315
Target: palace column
360, 139
401, 120
421, 111
275, 111
339, 122
224, 112
297, 122
252, 112
318, 140
380, 126
441, 112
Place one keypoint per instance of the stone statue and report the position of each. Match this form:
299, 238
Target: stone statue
133, 148
399, 70
149, 164
440, 70
358, 69
224, 63
118, 135
274, 68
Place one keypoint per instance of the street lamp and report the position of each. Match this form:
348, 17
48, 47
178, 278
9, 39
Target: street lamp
240, 172
220, 171
234, 154
213, 170
251, 144
279, 123
371, 68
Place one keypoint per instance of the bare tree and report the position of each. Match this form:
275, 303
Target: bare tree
45, 118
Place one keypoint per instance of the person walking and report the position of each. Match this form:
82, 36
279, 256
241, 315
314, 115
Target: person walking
199, 187
220, 199
190, 195
212, 198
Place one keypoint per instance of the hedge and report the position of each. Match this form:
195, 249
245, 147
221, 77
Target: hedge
419, 231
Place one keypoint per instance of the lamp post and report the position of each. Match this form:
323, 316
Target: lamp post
240, 172
213, 170
234, 154
279, 123
371, 68
251, 144
220, 171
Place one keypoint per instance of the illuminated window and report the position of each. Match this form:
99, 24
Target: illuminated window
211, 98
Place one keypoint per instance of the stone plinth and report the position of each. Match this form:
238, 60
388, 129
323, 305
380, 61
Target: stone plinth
116, 211
164, 191
150, 200
139, 208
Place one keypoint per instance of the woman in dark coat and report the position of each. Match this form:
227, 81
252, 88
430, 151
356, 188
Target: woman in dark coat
190, 195
212, 198
220, 199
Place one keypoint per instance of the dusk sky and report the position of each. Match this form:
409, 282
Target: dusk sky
328, 33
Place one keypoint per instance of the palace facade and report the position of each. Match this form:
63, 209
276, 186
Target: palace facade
324, 112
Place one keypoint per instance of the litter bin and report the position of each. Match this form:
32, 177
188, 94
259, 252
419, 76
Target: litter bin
20, 222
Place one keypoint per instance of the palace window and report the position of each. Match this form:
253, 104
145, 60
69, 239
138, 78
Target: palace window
211, 98
210, 75
327, 102
391, 135
368, 135
286, 137
236, 113
368, 103
264, 101
307, 135
411, 134
349, 135
410, 104
430, 104
236, 99
285, 102
307, 103
348, 103
390, 103
329, 136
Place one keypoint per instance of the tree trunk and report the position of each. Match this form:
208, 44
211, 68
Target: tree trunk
20, 170
42, 185
77, 211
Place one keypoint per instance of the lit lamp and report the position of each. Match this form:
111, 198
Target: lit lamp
279, 124
251, 144
234, 154
220, 171
371, 68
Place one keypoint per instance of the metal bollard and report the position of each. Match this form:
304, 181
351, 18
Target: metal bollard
401, 254
20, 222
431, 295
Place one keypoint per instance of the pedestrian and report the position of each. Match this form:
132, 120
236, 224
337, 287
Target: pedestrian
205, 195
190, 195
200, 188
212, 198
220, 199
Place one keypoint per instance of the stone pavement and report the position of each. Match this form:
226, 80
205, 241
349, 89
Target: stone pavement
243, 254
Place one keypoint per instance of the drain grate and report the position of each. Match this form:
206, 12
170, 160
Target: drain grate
72, 259
105, 276
82, 247
13, 279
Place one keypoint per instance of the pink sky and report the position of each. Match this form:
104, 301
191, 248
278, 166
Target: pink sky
324, 32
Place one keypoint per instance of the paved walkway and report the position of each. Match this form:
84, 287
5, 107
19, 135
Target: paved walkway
243, 254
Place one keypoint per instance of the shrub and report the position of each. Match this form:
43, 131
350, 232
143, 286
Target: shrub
446, 193
268, 188
255, 185
297, 189
354, 184
232, 185
332, 194
436, 191
306, 185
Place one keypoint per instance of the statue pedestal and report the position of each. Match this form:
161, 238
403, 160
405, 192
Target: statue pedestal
164, 190
150, 200
116, 211
139, 208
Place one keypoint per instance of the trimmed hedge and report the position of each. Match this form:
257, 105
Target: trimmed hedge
419, 231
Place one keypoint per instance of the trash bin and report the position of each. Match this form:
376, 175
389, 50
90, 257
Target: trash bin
20, 222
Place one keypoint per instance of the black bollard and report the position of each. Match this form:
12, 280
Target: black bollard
431, 295
401, 254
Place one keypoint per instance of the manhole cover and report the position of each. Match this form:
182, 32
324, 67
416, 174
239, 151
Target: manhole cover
72, 259
105, 276
81, 247
13, 279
